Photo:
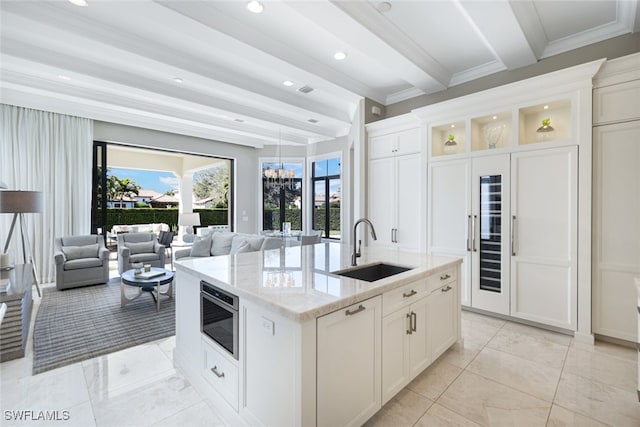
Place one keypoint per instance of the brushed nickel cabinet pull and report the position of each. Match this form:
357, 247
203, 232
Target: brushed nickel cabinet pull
356, 311
215, 371
446, 288
410, 294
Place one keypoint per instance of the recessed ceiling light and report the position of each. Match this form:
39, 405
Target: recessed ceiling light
255, 6
453, 126
495, 117
383, 7
339, 56
287, 83
79, 2
546, 107
178, 80
62, 77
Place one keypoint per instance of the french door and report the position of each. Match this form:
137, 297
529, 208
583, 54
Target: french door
99, 189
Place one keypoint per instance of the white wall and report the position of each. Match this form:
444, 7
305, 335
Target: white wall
246, 164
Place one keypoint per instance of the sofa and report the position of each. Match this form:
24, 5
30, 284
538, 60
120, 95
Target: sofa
227, 243
80, 261
139, 247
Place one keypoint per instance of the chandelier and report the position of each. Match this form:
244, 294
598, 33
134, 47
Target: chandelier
279, 178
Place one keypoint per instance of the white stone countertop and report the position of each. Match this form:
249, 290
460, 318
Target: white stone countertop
297, 282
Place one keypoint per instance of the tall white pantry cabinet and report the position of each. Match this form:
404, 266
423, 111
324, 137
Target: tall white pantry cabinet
508, 189
396, 176
616, 197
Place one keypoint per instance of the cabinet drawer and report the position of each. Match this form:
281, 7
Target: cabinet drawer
403, 296
220, 373
437, 280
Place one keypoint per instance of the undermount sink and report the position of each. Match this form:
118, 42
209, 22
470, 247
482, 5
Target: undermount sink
372, 272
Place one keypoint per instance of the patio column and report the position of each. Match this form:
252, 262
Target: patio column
186, 198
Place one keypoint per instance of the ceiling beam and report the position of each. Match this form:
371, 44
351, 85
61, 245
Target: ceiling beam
146, 49
384, 42
207, 14
497, 26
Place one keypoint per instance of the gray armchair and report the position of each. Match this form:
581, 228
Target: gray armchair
139, 247
81, 261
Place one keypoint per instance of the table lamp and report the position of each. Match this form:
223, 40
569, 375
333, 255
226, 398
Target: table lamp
18, 203
189, 220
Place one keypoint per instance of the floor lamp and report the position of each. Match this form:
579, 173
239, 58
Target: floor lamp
18, 203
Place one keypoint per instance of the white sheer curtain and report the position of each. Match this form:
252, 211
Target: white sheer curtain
52, 153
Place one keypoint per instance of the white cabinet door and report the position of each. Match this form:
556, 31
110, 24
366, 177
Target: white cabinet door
188, 334
408, 142
616, 238
490, 235
408, 228
544, 203
349, 364
382, 200
443, 318
448, 229
419, 350
395, 353
382, 146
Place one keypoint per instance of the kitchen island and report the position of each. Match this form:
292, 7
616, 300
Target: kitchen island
315, 347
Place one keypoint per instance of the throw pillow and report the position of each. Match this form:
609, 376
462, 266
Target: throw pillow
78, 252
244, 247
140, 248
201, 247
222, 243
255, 242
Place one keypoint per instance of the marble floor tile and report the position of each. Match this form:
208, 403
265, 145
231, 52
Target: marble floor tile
57, 389
607, 404
439, 416
614, 350
403, 410
561, 417
146, 405
167, 345
476, 332
462, 355
481, 318
555, 337
520, 374
489, 403
434, 380
601, 367
534, 349
116, 373
198, 415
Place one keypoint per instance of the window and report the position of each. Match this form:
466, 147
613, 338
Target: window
281, 203
327, 193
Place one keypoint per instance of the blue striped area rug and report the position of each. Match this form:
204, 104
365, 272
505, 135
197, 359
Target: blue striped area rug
82, 323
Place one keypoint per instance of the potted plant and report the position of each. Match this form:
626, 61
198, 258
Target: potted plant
450, 146
545, 132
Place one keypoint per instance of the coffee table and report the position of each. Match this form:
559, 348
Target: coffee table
151, 285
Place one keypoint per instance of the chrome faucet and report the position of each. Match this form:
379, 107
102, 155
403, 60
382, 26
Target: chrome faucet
356, 251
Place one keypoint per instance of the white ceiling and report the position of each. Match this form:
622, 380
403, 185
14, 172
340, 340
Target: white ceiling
116, 60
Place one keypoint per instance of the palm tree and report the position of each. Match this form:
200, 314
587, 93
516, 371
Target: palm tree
118, 189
